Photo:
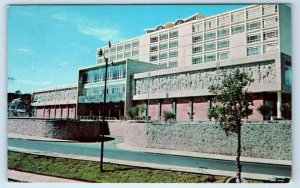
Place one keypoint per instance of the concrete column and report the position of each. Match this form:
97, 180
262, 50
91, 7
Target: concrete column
174, 106
191, 109
279, 103
146, 108
158, 110
68, 113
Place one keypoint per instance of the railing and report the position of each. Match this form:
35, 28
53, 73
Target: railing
95, 118
99, 98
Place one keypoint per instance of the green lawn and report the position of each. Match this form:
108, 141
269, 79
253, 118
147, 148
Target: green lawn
113, 173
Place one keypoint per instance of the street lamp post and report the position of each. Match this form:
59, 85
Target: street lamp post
100, 54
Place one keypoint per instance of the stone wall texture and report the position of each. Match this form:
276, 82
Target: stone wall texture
60, 129
259, 140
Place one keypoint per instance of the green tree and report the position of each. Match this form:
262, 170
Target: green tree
230, 105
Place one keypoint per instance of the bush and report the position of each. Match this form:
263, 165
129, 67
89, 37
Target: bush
169, 115
133, 112
265, 110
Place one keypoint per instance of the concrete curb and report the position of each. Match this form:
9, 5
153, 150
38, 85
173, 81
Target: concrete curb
147, 165
202, 155
37, 178
28, 137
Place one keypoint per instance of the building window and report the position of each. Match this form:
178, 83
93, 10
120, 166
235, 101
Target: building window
223, 55
237, 29
225, 20
127, 45
163, 46
270, 22
173, 34
163, 56
254, 50
173, 53
120, 56
135, 44
100, 60
269, 9
209, 46
197, 49
288, 75
237, 17
223, 44
253, 38
135, 52
210, 24
209, 58
270, 34
197, 38
173, 44
197, 27
253, 25
223, 32
197, 60
153, 48
163, 64
253, 13
112, 57
270, 48
120, 47
153, 39
106, 51
173, 63
153, 57
113, 49
127, 54
163, 36
210, 35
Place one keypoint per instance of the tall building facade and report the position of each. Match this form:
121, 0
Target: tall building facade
199, 50
171, 67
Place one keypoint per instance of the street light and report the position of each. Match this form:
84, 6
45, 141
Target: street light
101, 54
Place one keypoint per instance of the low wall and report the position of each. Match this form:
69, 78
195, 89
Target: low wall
269, 140
60, 129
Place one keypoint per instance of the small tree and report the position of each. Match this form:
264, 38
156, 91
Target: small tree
231, 105
265, 110
133, 112
141, 109
169, 115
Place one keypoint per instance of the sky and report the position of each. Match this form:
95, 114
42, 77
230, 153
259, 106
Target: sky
48, 44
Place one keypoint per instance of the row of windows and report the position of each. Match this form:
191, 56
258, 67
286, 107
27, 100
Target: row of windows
121, 55
210, 57
121, 47
117, 89
267, 48
256, 37
164, 55
164, 36
163, 46
235, 29
210, 46
173, 63
267, 22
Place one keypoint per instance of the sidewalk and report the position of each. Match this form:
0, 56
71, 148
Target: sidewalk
25, 177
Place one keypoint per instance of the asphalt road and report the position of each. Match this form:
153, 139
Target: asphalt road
113, 152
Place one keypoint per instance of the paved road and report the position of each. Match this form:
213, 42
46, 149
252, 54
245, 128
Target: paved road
112, 152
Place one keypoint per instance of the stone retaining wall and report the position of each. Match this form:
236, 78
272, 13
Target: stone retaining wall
60, 129
269, 140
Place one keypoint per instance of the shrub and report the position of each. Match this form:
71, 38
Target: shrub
169, 115
133, 112
265, 110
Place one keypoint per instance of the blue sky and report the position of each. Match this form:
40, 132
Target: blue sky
48, 44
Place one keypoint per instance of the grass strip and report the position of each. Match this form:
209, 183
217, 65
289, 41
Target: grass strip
113, 173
